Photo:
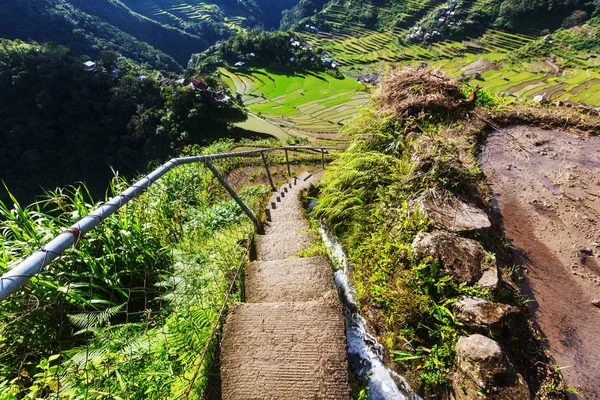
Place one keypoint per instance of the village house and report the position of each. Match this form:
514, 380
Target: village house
199, 84
370, 79
89, 66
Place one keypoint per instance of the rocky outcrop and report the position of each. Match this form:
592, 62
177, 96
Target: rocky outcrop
483, 373
461, 258
482, 316
446, 211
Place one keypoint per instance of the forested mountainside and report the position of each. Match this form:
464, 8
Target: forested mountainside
92, 26
202, 16
61, 123
385, 14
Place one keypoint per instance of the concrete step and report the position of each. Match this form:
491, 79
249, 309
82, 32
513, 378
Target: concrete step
285, 351
304, 175
282, 245
294, 279
290, 211
300, 226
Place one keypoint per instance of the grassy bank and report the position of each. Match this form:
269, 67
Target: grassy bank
421, 135
130, 311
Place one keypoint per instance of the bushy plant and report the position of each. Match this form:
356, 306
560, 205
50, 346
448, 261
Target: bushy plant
132, 310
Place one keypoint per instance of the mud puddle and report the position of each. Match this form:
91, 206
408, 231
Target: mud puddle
547, 190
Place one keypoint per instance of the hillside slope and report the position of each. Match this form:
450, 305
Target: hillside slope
61, 124
208, 17
172, 41
90, 27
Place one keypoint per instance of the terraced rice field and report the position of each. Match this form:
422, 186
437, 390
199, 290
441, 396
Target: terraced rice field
361, 46
190, 10
313, 105
353, 45
576, 85
360, 49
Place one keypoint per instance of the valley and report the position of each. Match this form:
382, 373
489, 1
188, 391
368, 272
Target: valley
446, 151
306, 105
486, 59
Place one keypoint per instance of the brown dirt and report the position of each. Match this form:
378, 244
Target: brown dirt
578, 89
411, 93
481, 65
546, 185
523, 85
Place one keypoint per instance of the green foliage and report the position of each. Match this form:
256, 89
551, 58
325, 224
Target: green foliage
63, 22
226, 214
569, 44
483, 98
82, 124
269, 49
365, 199
131, 309
298, 15
347, 196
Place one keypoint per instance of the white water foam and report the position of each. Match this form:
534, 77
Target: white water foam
364, 352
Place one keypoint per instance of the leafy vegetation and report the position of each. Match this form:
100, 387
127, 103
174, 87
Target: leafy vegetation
571, 44
228, 14
130, 311
262, 49
62, 124
62, 22
420, 135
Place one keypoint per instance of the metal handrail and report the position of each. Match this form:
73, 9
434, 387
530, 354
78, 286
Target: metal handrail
14, 279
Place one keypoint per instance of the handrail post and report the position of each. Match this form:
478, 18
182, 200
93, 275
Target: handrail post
287, 161
259, 227
262, 154
17, 276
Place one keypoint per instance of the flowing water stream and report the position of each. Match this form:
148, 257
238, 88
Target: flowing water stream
364, 352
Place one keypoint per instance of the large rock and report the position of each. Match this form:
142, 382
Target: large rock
481, 359
446, 211
483, 373
482, 316
461, 258
490, 279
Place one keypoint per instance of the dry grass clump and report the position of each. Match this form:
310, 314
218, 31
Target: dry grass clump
410, 93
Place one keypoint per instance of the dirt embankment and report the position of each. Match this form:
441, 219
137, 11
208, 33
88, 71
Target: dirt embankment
547, 190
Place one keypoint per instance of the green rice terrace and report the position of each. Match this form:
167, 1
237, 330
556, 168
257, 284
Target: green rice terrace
311, 105
539, 78
521, 63
361, 50
191, 10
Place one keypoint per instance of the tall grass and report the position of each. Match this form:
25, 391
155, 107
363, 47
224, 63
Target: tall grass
129, 311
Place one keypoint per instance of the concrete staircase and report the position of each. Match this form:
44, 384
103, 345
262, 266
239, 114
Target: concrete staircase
288, 340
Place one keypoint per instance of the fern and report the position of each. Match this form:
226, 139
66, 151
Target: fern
94, 320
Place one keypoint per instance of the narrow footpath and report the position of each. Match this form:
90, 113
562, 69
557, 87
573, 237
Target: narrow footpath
288, 340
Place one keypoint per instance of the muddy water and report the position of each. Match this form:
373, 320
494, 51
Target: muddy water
546, 187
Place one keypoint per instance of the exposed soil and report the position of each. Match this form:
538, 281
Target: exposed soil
547, 190
481, 65
523, 85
